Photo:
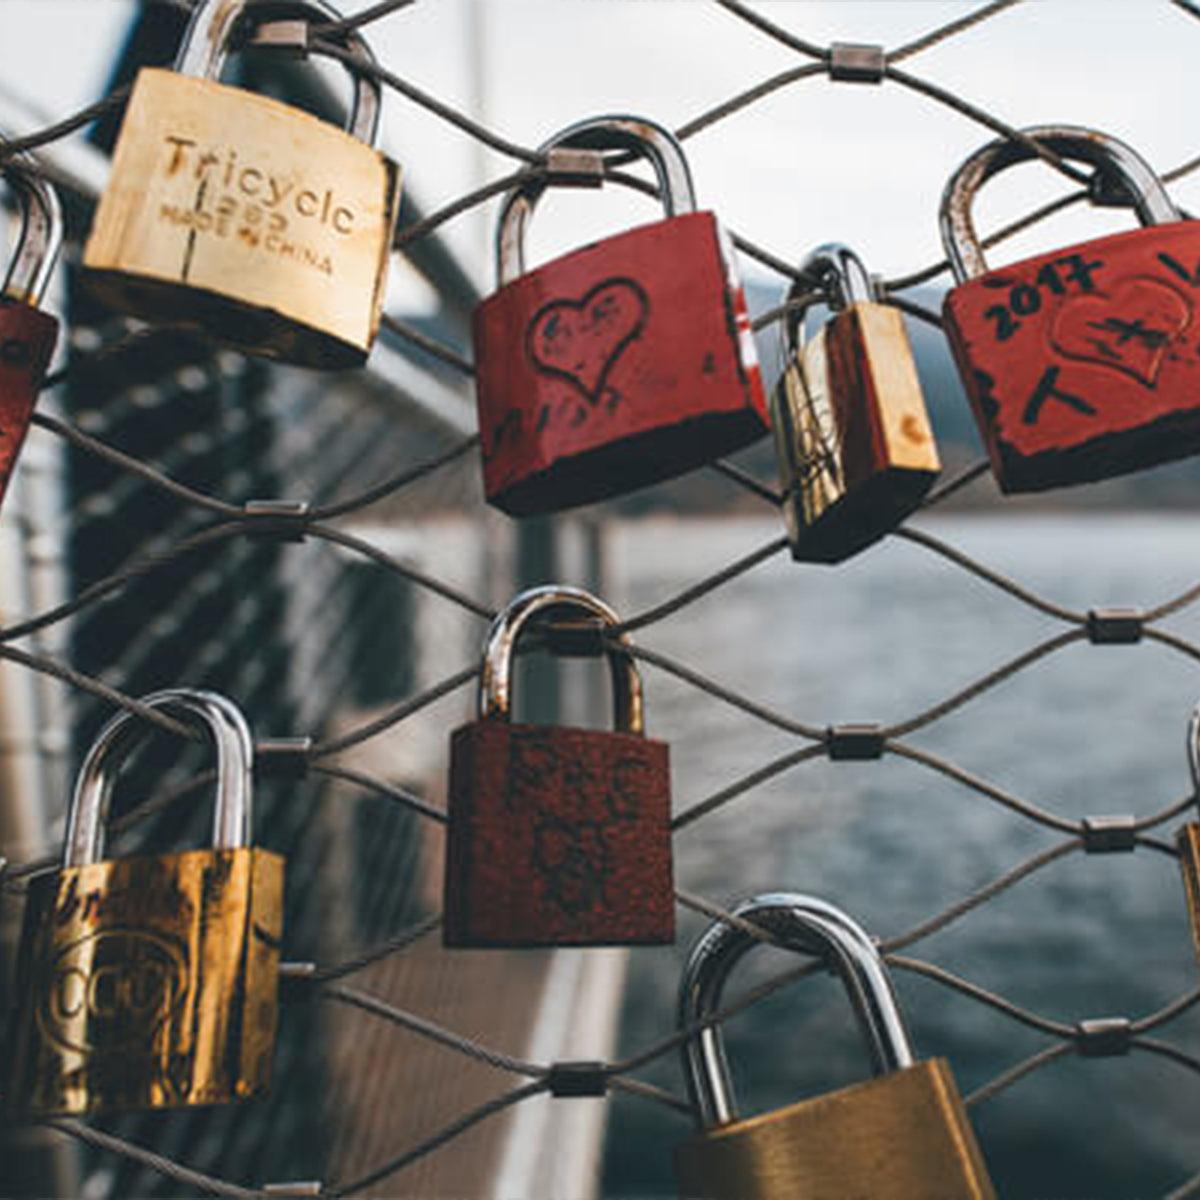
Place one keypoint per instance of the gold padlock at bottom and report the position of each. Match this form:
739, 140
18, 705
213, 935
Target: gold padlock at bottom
901, 1136
151, 981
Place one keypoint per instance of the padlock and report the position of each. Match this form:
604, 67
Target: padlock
855, 448
620, 364
27, 333
1188, 840
1082, 363
557, 836
150, 981
243, 217
903, 1135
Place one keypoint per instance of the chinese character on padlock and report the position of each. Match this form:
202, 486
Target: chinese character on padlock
244, 217
621, 364
1082, 363
150, 981
855, 449
903, 1135
557, 836
27, 334
1188, 841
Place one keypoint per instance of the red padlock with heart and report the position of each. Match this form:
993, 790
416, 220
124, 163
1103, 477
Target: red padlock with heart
1083, 363
620, 364
27, 333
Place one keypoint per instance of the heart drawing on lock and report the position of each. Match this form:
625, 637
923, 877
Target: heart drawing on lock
1129, 329
581, 340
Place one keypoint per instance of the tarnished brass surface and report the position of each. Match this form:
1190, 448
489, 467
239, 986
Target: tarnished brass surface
903, 1136
147, 982
247, 218
1189, 863
853, 438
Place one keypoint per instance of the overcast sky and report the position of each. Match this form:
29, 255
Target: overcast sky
812, 163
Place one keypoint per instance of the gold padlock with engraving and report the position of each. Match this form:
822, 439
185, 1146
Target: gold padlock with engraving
150, 981
244, 217
901, 1136
1188, 840
855, 448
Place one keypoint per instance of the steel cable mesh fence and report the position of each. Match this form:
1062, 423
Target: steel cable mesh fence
173, 548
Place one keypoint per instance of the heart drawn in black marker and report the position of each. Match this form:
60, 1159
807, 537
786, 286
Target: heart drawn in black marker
581, 340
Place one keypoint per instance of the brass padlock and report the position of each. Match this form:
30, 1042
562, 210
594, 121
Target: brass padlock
901, 1136
853, 440
150, 982
244, 217
1188, 840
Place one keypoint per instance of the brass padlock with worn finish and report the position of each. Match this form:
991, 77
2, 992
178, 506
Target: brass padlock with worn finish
244, 217
150, 981
853, 440
1188, 840
901, 1136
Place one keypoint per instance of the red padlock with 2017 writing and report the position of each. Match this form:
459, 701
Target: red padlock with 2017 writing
557, 836
27, 334
620, 364
1083, 363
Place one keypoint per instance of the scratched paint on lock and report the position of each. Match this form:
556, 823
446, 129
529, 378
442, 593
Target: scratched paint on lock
235, 193
1085, 363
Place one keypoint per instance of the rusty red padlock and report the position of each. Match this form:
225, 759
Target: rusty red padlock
620, 364
27, 334
557, 836
1082, 363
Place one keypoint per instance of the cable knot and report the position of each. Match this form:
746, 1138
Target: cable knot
1115, 626
286, 520
1104, 1037
1109, 835
854, 743
856, 62
581, 1078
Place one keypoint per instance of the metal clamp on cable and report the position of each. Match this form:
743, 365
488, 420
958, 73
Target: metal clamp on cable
290, 38
283, 757
295, 980
283, 519
854, 743
1115, 626
584, 1078
1104, 1037
855, 62
307, 1187
575, 168
1106, 189
1109, 835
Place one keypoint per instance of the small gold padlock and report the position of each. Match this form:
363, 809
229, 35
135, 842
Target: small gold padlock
150, 982
1188, 840
901, 1136
244, 217
853, 440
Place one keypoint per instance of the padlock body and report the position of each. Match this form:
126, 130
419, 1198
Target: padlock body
903, 1136
1188, 844
246, 218
618, 365
1084, 363
557, 837
855, 448
147, 982
27, 337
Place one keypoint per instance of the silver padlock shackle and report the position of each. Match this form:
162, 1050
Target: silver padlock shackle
810, 926
1150, 199
222, 718
41, 236
642, 136
551, 600
205, 46
1193, 750
837, 272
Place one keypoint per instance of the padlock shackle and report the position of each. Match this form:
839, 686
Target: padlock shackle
801, 923
961, 241
556, 600
92, 798
644, 137
1193, 750
41, 235
835, 271
206, 41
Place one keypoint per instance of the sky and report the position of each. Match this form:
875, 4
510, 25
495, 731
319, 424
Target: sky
813, 163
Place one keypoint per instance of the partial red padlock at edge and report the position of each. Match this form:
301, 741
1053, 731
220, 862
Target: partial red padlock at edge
557, 836
27, 333
621, 364
1083, 363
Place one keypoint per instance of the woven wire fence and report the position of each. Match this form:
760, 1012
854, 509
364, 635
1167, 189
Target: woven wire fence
181, 556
